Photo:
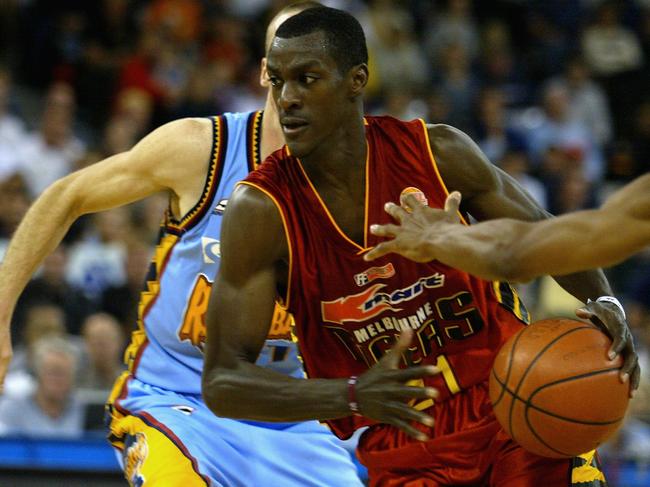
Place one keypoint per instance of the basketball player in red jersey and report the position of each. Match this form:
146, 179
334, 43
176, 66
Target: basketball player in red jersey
298, 228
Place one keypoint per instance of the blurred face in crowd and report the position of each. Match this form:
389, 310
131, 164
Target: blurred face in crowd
42, 321
103, 338
55, 376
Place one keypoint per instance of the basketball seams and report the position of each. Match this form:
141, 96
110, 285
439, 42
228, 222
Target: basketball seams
530, 366
508, 370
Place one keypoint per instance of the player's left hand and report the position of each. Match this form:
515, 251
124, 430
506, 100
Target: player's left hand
416, 222
610, 319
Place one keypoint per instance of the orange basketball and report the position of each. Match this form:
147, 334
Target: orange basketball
555, 391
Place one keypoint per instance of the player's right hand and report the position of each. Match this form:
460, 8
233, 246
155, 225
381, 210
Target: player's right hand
5, 353
382, 392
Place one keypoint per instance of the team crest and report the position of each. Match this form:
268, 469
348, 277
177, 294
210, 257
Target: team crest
369, 275
135, 453
419, 195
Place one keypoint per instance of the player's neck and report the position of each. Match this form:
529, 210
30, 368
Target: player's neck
340, 156
272, 138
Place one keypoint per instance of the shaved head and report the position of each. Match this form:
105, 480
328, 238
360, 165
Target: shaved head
284, 14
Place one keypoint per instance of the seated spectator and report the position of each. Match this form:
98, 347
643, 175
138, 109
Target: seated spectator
104, 344
50, 286
98, 261
557, 128
121, 302
51, 152
53, 409
12, 130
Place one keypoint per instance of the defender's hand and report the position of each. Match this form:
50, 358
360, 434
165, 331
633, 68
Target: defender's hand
382, 392
416, 222
609, 318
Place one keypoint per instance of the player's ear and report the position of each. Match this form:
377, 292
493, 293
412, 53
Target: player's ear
264, 76
359, 79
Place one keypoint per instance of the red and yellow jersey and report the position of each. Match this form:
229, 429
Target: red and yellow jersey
348, 312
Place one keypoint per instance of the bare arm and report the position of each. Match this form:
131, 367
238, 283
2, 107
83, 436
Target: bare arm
173, 157
252, 243
513, 250
489, 193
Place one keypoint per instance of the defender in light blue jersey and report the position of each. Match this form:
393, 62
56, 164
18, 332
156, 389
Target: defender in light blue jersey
164, 433
159, 399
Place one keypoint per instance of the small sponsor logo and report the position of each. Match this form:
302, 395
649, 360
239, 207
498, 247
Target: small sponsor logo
369, 275
186, 410
221, 207
211, 250
419, 195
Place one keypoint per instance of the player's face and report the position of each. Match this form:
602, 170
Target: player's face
309, 91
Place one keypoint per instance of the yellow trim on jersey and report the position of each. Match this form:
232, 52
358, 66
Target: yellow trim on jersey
497, 290
153, 458
152, 288
285, 304
366, 210
329, 215
435, 166
587, 472
256, 143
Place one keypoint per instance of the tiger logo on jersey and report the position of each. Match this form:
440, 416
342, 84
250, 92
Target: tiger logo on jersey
417, 193
135, 453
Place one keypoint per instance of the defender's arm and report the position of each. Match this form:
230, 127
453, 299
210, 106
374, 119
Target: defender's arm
173, 157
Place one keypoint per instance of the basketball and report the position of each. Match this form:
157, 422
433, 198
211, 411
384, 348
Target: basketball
555, 391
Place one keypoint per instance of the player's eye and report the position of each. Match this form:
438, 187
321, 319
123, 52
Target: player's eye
308, 79
274, 80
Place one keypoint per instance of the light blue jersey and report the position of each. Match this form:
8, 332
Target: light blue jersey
172, 309
164, 433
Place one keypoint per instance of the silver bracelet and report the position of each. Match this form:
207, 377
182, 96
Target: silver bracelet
613, 300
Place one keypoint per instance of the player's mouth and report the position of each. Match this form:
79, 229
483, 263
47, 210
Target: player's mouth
292, 126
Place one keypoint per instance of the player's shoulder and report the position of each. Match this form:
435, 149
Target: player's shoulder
252, 200
447, 139
459, 159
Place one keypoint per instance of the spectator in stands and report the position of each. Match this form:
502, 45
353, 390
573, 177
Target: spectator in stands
98, 261
609, 47
51, 152
458, 85
400, 62
12, 130
51, 286
556, 128
104, 343
53, 409
587, 101
515, 162
121, 302
455, 25
494, 134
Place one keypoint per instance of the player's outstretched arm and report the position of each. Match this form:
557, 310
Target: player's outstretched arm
489, 193
164, 160
513, 250
253, 242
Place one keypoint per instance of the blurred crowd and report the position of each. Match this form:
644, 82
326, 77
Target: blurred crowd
555, 92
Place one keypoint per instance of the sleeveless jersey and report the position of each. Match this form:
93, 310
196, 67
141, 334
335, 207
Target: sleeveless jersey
348, 312
167, 348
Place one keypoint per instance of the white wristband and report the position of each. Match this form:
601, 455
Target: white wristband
613, 300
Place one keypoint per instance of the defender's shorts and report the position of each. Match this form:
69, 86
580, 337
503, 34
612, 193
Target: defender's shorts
167, 439
468, 448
